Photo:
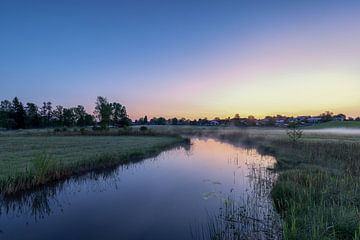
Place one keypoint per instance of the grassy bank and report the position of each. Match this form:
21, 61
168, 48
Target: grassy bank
317, 191
318, 188
30, 161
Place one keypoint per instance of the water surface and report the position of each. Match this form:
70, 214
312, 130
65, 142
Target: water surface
167, 197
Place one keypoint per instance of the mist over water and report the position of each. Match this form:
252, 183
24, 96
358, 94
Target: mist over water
337, 131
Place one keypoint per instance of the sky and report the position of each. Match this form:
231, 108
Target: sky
178, 58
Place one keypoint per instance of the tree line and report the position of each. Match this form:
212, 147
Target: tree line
16, 115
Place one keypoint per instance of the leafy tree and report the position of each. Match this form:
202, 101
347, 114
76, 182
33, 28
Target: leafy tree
103, 111
270, 121
146, 120
158, 121
46, 114
117, 114
6, 113
251, 120
80, 115
89, 120
69, 117
327, 116
32, 115
58, 115
124, 120
19, 114
174, 121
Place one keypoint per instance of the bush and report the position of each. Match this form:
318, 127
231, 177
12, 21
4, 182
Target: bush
143, 128
97, 128
57, 130
64, 129
82, 131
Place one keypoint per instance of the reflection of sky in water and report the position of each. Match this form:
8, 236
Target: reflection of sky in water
154, 199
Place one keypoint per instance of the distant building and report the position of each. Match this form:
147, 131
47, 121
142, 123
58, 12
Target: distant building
214, 123
280, 122
339, 117
314, 119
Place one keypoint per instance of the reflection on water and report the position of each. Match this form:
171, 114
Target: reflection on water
170, 196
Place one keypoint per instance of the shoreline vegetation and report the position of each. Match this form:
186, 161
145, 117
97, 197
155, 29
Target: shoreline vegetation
317, 189
33, 160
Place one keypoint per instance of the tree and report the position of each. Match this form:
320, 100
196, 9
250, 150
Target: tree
327, 116
125, 120
294, 132
89, 120
6, 113
117, 114
80, 115
32, 115
69, 117
19, 114
174, 121
58, 115
251, 120
146, 120
46, 114
103, 111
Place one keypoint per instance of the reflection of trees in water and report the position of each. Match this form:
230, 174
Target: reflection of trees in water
41, 202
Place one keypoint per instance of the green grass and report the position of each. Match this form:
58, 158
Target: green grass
29, 161
317, 191
336, 124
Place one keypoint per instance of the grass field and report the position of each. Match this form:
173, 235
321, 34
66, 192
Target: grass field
28, 161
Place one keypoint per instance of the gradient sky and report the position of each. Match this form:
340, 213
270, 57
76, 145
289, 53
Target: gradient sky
184, 58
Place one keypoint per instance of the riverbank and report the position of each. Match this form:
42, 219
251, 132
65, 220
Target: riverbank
318, 184
30, 161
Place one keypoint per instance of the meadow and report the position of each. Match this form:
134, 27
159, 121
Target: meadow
27, 161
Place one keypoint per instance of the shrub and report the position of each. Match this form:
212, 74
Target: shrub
143, 128
82, 131
97, 128
294, 133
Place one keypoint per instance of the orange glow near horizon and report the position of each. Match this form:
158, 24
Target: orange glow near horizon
304, 72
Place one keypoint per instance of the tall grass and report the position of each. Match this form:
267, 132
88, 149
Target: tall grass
29, 162
318, 189
247, 216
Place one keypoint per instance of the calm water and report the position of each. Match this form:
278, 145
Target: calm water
167, 197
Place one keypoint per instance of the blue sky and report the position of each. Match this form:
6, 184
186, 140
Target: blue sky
176, 58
